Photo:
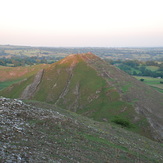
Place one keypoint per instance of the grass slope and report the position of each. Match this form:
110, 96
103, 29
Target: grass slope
39, 132
82, 90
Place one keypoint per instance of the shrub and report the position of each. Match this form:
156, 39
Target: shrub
141, 79
122, 122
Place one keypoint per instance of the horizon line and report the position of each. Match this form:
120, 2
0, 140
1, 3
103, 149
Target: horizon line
81, 46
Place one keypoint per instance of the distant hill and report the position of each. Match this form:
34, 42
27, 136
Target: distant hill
14, 73
87, 85
11, 75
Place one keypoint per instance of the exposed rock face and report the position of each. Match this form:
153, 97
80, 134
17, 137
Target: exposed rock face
30, 89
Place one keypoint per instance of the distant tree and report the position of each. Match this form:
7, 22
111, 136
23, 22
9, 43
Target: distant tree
16, 63
132, 63
151, 63
2, 63
160, 67
142, 69
134, 73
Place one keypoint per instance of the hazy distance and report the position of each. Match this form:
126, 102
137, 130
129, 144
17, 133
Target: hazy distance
98, 23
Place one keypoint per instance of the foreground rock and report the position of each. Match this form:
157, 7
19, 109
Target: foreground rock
33, 134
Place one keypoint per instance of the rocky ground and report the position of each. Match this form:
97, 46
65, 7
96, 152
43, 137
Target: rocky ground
43, 133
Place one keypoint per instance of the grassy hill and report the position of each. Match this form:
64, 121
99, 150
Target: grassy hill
11, 75
40, 132
87, 85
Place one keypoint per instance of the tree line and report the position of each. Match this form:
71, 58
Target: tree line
139, 68
24, 61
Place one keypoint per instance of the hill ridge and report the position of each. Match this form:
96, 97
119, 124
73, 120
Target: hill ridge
87, 85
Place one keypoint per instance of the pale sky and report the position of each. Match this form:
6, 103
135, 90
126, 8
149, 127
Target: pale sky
91, 23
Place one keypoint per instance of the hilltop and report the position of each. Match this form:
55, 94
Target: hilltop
40, 132
87, 85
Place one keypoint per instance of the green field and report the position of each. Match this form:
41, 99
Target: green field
153, 82
152, 68
7, 84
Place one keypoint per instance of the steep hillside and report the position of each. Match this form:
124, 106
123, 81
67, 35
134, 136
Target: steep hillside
87, 85
143, 98
44, 133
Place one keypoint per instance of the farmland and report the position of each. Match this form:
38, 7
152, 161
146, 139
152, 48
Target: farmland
153, 82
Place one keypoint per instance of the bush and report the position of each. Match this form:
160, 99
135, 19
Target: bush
122, 122
141, 79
